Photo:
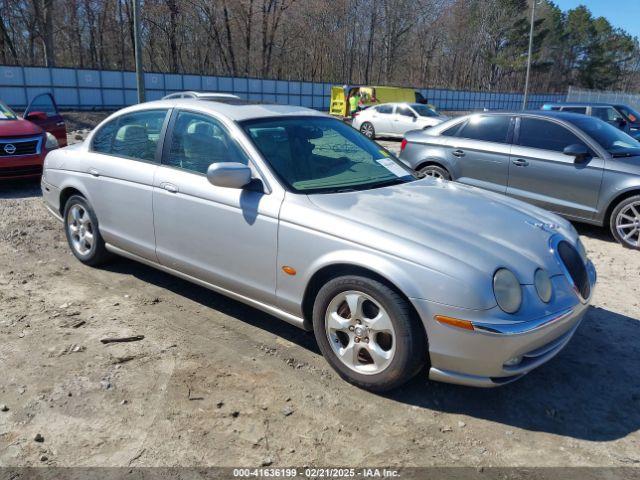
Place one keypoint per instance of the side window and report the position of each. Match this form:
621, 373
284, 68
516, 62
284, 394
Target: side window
582, 110
405, 111
133, 135
608, 114
545, 135
43, 103
198, 140
452, 131
385, 109
487, 128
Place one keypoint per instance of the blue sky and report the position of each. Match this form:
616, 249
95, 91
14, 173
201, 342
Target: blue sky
620, 13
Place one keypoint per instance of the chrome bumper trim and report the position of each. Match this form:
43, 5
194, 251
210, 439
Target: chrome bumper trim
518, 328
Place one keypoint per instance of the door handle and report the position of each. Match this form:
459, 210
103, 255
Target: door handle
169, 187
520, 163
94, 172
458, 153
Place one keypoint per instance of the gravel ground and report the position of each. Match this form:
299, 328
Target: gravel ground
217, 383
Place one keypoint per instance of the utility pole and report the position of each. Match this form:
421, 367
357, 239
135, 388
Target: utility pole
138, 50
526, 82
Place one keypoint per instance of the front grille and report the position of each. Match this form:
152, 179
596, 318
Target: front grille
20, 171
575, 268
18, 147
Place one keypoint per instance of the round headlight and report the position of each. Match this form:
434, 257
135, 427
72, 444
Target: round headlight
507, 290
543, 285
52, 142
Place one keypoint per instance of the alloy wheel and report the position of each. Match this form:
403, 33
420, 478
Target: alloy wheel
433, 173
360, 332
628, 224
80, 229
367, 130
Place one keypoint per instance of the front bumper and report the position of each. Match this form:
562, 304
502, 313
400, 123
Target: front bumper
23, 166
478, 357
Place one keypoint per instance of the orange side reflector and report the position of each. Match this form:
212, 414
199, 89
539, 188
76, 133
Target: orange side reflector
289, 270
454, 322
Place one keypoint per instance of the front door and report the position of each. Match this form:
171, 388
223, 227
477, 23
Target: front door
404, 120
541, 174
43, 111
223, 236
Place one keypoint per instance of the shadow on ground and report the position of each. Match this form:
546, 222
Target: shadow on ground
20, 188
590, 391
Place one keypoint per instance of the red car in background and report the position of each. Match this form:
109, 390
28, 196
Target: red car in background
24, 142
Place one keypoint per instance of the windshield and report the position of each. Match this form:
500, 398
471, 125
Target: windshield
6, 113
609, 137
424, 111
630, 113
323, 155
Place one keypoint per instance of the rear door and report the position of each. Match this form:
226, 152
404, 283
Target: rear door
382, 117
479, 151
43, 111
123, 159
541, 174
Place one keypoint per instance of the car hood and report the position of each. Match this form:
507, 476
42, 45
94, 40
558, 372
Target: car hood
442, 224
18, 128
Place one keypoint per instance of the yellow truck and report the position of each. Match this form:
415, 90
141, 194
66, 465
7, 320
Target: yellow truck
370, 95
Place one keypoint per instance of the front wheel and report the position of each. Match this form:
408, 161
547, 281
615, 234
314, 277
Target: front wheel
367, 333
368, 130
625, 222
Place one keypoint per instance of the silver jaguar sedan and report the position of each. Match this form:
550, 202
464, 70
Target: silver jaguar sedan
300, 215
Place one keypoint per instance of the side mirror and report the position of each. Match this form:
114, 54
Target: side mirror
36, 116
577, 150
229, 174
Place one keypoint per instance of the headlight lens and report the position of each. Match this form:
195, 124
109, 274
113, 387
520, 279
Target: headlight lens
543, 285
52, 142
507, 290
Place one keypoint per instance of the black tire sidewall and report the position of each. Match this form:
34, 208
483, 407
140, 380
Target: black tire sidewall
410, 340
614, 216
373, 130
97, 252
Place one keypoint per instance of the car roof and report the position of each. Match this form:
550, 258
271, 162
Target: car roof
582, 104
235, 112
536, 113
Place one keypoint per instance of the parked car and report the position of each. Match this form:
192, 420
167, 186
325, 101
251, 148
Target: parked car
371, 95
620, 116
395, 119
24, 142
298, 214
577, 166
211, 96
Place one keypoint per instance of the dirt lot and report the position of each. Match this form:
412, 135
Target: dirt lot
217, 383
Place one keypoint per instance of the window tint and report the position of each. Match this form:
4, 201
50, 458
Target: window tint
582, 110
43, 103
545, 135
451, 131
385, 109
608, 114
198, 140
134, 135
405, 111
486, 128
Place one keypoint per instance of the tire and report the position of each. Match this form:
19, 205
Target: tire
625, 222
435, 171
83, 234
398, 344
368, 130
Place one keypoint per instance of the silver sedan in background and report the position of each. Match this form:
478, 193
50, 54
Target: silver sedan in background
395, 119
298, 214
